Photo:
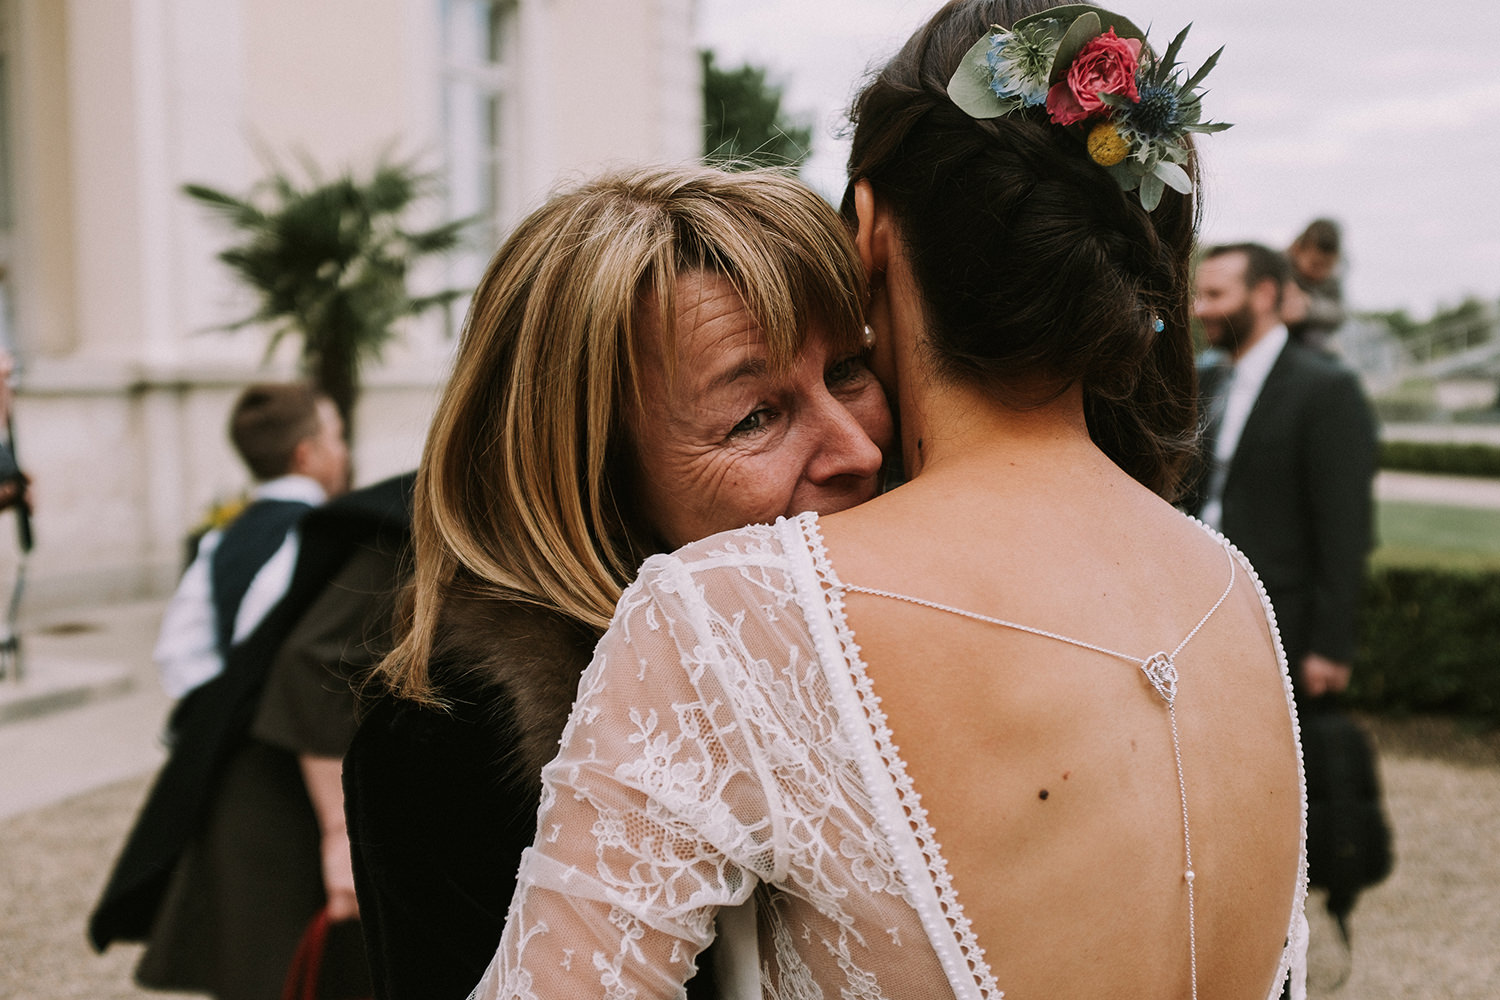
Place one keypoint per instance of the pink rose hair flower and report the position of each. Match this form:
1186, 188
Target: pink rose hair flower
1106, 65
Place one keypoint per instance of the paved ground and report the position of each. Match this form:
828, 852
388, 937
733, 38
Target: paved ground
88, 711
77, 748
78, 743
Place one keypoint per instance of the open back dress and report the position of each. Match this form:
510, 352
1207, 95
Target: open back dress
728, 757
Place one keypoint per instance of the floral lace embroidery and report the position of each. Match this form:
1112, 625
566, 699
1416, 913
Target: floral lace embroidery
791, 978
953, 925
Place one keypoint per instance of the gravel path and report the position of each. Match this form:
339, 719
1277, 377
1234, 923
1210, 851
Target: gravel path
53, 863
1432, 932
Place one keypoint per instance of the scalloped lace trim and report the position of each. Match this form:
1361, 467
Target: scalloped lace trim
953, 921
1296, 933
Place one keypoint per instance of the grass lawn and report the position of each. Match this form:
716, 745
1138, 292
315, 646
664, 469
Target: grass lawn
1419, 534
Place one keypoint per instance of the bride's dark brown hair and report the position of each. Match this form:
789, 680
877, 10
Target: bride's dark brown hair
1033, 264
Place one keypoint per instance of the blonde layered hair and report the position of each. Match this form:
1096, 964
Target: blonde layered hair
523, 490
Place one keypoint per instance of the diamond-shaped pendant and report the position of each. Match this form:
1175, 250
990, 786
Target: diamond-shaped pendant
1162, 673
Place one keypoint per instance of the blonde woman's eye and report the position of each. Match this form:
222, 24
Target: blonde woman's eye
756, 421
845, 370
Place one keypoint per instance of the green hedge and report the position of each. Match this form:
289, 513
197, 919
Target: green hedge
1445, 459
1430, 643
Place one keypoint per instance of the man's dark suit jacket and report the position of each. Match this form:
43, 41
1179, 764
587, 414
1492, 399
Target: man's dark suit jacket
1298, 497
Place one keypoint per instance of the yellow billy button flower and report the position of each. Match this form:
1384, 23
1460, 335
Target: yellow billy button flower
1106, 145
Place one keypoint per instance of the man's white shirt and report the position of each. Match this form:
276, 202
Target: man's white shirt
1246, 380
187, 648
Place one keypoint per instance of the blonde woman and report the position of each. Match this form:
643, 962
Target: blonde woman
650, 358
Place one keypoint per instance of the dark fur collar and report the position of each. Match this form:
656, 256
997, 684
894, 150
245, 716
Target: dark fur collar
518, 666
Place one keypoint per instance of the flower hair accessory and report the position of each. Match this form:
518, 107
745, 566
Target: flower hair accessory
1092, 69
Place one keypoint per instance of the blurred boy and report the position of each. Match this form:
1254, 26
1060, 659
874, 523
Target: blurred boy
291, 439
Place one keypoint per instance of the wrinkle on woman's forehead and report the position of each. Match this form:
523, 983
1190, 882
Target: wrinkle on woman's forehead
716, 338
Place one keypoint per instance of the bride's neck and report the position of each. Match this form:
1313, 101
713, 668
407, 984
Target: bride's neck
949, 425
952, 424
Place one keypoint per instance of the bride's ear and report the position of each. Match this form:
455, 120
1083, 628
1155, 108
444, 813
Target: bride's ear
873, 236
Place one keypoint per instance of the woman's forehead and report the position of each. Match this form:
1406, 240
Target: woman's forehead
705, 309
711, 311
714, 340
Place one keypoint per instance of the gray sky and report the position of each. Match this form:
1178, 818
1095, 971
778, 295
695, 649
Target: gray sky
1376, 114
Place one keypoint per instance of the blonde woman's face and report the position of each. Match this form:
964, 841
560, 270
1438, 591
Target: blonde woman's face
728, 443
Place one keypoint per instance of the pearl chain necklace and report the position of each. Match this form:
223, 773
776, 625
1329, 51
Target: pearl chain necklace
1160, 671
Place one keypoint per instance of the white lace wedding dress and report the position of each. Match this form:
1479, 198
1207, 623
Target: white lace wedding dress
760, 768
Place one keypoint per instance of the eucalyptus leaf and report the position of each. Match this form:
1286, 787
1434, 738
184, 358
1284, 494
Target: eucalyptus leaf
1151, 191
1208, 127
1070, 11
1173, 177
1124, 176
1084, 29
970, 86
1046, 30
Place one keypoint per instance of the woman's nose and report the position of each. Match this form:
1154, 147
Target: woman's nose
846, 449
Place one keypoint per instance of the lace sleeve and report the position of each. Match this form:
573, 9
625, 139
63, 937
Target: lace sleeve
653, 814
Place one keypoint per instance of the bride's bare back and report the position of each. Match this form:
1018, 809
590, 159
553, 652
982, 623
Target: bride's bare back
1048, 770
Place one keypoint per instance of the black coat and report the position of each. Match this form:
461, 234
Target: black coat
442, 801
1298, 498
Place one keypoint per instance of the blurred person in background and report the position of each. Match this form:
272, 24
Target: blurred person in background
13, 482
1291, 454
206, 877
291, 439
15, 495
1313, 302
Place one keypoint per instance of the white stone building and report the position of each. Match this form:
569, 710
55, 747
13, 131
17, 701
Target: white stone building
110, 289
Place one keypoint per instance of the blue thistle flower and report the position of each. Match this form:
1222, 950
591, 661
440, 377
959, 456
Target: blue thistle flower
1156, 114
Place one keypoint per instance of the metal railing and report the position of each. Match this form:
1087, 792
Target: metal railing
1456, 346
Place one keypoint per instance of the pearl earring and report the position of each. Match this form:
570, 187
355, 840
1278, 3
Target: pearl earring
869, 337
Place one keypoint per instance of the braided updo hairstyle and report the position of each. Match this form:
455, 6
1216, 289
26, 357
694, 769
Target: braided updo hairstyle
1033, 264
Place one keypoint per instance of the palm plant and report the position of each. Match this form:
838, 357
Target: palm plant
329, 261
